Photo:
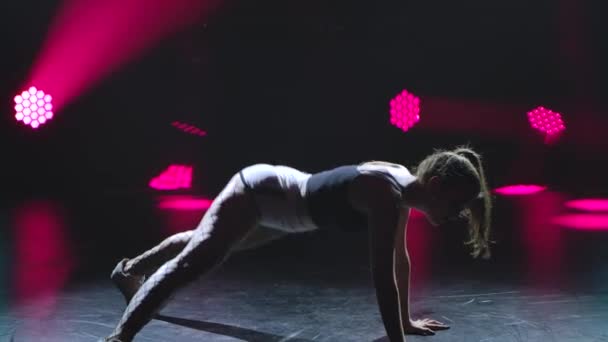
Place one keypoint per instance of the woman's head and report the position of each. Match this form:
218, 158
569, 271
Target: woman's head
456, 187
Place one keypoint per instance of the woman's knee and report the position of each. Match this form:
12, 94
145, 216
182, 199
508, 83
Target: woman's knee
182, 237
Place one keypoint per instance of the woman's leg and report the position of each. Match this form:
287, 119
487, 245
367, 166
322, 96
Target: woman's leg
129, 274
231, 216
148, 262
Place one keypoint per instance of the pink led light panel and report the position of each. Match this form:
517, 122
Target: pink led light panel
405, 110
173, 178
187, 128
519, 189
546, 121
184, 203
33, 107
592, 222
589, 204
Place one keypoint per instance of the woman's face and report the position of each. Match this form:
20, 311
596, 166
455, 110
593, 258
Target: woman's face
446, 202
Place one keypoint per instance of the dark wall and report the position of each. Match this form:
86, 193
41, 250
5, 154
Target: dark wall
308, 84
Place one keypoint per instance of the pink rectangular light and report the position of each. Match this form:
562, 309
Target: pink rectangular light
173, 178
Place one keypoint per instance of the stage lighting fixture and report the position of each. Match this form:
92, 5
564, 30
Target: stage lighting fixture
546, 121
173, 178
520, 189
184, 203
188, 128
588, 222
588, 204
33, 107
404, 110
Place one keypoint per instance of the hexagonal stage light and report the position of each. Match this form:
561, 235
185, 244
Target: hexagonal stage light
405, 110
33, 107
547, 122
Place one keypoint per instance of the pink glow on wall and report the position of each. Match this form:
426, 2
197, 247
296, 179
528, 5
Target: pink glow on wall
420, 239
43, 260
520, 189
184, 203
33, 107
588, 204
188, 128
89, 39
543, 244
405, 110
546, 121
591, 222
179, 219
416, 214
173, 178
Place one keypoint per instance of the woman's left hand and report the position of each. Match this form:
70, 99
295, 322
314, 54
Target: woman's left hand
424, 326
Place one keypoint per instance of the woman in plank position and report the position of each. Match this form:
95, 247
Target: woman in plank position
264, 202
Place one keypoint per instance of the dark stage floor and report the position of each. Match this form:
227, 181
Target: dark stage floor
546, 283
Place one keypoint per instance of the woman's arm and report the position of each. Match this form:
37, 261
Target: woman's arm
383, 228
402, 267
402, 276
377, 199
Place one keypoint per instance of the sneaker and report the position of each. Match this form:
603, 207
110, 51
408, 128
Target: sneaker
127, 284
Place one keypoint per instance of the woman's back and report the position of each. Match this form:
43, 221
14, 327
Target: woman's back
327, 193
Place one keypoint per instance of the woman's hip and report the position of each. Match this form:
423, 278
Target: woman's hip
278, 192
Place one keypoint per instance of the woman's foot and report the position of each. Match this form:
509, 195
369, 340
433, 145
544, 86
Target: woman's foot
127, 283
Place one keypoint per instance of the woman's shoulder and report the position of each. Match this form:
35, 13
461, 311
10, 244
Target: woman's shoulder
381, 163
369, 189
397, 171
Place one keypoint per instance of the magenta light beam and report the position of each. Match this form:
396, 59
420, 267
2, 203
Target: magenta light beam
89, 39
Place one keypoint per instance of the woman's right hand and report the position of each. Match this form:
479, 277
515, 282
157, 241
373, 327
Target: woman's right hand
424, 327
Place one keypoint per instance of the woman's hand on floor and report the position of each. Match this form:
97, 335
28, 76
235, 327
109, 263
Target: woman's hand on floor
424, 326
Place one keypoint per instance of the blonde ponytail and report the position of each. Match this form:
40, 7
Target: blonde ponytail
480, 211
